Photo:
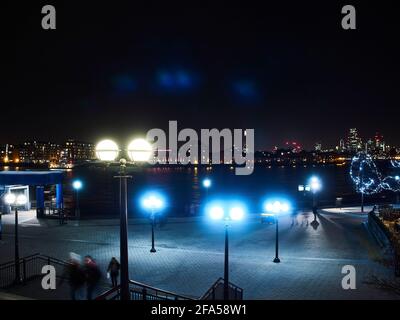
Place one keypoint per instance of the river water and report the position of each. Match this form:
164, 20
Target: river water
185, 195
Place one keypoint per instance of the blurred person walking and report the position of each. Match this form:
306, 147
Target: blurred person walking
75, 276
113, 271
92, 276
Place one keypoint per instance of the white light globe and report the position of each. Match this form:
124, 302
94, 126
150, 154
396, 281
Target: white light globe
207, 183
10, 198
269, 207
315, 184
152, 202
77, 185
217, 213
107, 150
140, 150
276, 206
21, 200
236, 213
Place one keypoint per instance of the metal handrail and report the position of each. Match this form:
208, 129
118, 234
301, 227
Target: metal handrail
30, 269
165, 292
143, 293
220, 280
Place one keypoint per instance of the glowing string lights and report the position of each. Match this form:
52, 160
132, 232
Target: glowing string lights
368, 179
365, 175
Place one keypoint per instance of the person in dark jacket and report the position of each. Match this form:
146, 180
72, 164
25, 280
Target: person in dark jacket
75, 276
113, 270
92, 276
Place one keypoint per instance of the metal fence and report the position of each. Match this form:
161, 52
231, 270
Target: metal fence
216, 291
141, 291
30, 268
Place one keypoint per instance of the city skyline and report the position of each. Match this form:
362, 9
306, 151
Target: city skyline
361, 139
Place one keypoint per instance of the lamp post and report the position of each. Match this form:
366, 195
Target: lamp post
235, 214
315, 186
207, 184
152, 203
16, 201
138, 150
77, 185
397, 178
277, 208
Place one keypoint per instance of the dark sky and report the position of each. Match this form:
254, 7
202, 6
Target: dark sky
116, 69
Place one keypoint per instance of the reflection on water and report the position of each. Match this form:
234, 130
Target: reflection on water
185, 194
183, 188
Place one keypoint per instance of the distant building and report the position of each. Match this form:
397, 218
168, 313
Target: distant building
38, 152
7, 153
318, 147
354, 142
342, 145
76, 151
379, 143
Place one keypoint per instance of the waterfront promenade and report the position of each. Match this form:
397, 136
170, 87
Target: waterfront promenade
190, 257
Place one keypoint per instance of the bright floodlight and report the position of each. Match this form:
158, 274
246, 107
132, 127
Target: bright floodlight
277, 207
397, 177
21, 200
107, 150
315, 184
236, 213
152, 202
217, 213
10, 198
140, 150
77, 185
207, 183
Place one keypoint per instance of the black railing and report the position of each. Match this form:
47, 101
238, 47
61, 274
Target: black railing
31, 268
141, 291
216, 291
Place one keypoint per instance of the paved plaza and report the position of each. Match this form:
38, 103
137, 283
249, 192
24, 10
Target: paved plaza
190, 257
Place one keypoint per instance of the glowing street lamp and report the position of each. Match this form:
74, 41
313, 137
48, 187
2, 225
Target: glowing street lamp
16, 201
206, 183
152, 203
107, 150
315, 184
77, 185
276, 208
138, 150
235, 213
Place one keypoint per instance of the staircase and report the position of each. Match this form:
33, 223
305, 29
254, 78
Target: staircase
216, 292
31, 267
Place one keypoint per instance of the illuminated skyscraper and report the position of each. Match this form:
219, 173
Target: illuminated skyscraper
354, 142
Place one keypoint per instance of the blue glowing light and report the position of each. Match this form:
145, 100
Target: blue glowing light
217, 213
226, 210
175, 80
206, 183
275, 206
315, 184
236, 213
153, 201
77, 184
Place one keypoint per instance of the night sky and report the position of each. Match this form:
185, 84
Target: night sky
117, 69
